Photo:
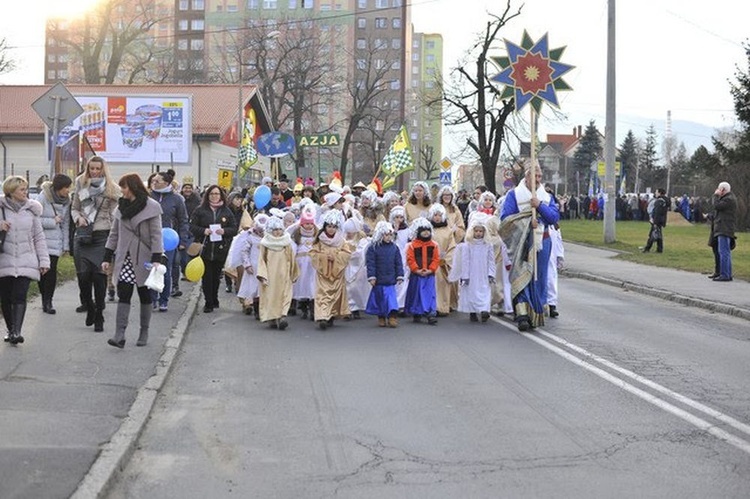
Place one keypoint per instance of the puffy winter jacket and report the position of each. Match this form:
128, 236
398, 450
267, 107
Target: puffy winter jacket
25, 249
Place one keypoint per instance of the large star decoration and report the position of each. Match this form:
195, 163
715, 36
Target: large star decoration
531, 72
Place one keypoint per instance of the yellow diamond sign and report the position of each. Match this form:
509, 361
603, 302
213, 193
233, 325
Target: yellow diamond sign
446, 163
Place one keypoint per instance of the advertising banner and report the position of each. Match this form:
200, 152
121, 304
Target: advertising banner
137, 129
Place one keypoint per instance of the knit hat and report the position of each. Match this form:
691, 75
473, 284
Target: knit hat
333, 217
266, 180
309, 181
298, 186
308, 215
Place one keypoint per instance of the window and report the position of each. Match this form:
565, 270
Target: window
307, 4
430, 71
292, 4
196, 44
361, 64
197, 24
395, 85
362, 4
51, 58
51, 75
379, 125
62, 74
381, 22
379, 63
398, 3
252, 4
430, 58
380, 44
232, 8
430, 45
429, 84
396, 64
269, 4
199, 4
415, 70
381, 4
396, 23
415, 43
415, 56
182, 44
182, 65
325, 8
183, 5
361, 23
415, 83
361, 43
198, 64
395, 103
219, 8
396, 43
182, 25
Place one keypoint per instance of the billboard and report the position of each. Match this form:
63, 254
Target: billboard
137, 129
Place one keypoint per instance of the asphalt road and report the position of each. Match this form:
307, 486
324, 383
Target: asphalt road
622, 396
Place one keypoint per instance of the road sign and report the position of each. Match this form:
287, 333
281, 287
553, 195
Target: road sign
57, 107
602, 168
319, 140
225, 178
446, 163
445, 178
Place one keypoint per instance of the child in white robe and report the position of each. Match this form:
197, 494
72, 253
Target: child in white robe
357, 287
249, 251
556, 260
474, 268
398, 221
304, 236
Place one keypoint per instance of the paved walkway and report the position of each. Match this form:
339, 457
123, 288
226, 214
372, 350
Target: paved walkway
73, 407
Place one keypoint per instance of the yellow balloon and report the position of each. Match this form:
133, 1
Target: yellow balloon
194, 269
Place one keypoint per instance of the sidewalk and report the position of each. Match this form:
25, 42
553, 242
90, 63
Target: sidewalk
72, 406
688, 288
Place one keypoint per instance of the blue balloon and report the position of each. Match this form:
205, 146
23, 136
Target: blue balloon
170, 239
261, 196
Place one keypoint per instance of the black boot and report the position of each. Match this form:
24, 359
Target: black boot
304, 308
8, 316
99, 320
312, 310
256, 308
47, 307
18, 312
553, 313
293, 308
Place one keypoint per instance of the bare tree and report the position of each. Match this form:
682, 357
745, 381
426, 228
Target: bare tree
104, 41
471, 100
427, 164
7, 64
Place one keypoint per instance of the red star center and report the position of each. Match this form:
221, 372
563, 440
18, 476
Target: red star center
531, 73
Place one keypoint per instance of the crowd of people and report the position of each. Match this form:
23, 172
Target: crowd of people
632, 207
322, 253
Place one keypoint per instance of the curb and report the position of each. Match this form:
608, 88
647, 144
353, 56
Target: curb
115, 455
690, 301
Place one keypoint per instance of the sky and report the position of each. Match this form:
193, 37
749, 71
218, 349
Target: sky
676, 55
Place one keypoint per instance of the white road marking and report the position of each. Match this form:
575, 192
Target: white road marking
702, 424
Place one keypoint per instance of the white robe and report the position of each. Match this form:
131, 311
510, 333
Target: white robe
249, 251
304, 288
555, 262
357, 286
402, 241
476, 262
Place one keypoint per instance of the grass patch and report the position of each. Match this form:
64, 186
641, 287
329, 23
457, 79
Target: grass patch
685, 247
66, 271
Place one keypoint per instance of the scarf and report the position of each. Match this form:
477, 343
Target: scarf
215, 205
89, 195
57, 199
438, 225
129, 209
335, 242
164, 190
276, 243
523, 195
14, 205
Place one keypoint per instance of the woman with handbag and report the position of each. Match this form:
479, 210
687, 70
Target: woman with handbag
94, 200
213, 220
55, 201
135, 244
24, 256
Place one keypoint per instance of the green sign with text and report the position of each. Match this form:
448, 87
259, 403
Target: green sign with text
319, 140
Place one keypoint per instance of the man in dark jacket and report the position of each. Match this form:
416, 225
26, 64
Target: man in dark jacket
725, 218
658, 219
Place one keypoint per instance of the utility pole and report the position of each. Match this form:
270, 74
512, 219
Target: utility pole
669, 151
609, 131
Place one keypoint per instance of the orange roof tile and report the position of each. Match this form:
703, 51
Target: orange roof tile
214, 106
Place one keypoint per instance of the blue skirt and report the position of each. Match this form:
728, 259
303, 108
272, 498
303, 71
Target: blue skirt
421, 295
383, 300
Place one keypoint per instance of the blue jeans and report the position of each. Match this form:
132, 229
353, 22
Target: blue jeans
725, 256
163, 297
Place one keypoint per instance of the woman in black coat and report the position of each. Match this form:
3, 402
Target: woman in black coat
213, 211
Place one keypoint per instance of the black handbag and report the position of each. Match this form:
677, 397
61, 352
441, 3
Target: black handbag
3, 233
85, 235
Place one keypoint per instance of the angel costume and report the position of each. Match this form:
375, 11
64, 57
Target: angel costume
277, 270
330, 256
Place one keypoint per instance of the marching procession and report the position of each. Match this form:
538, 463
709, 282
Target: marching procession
326, 254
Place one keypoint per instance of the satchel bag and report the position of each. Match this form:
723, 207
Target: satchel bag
195, 249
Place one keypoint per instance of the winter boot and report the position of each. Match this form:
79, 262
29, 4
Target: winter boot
473, 317
281, 324
121, 324
99, 320
304, 307
145, 321
381, 321
90, 312
293, 308
256, 308
485, 316
553, 313
18, 312
47, 307
393, 320
8, 316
